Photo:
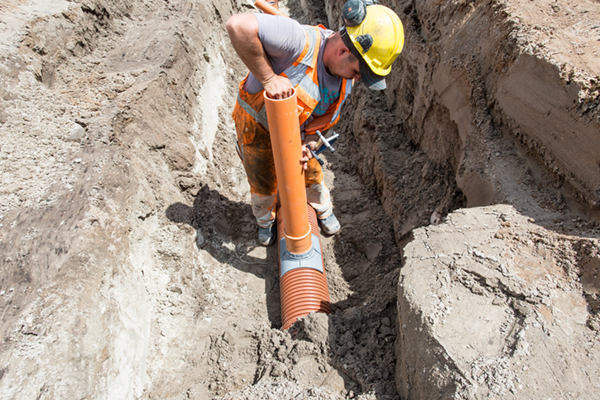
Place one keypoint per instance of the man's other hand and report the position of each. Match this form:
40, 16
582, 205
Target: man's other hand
306, 154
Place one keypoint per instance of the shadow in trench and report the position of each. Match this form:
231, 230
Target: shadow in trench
227, 230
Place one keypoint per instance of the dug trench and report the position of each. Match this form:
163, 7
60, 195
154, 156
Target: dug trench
130, 265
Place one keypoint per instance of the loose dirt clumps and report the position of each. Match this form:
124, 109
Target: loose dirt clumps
505, 313
130, 265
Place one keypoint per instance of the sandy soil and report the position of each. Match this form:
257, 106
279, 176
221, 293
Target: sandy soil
130, 266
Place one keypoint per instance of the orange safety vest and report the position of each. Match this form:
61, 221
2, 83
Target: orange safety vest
303, 75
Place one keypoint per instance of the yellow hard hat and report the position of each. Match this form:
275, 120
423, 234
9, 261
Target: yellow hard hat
378, 40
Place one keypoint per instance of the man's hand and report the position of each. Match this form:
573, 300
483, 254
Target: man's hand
278, 87
243, 32
306, 154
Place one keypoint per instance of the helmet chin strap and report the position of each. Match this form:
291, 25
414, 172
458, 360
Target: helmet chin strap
348, 43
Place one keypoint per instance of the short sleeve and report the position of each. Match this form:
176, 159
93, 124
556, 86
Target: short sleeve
282, 38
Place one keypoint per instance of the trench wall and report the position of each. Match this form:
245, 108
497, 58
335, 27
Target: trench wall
467, 90
101, 285
468, 76
116, 255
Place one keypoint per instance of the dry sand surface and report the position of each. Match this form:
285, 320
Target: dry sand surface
468, 193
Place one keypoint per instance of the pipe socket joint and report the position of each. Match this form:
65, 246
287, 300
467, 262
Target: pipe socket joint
311, 259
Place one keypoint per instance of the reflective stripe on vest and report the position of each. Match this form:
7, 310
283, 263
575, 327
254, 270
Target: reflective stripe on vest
297, 75
302, 73
312, 37
345, 94
260, 117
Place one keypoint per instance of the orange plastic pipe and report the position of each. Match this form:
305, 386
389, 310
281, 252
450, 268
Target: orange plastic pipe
303, 290
282, 116
267, 8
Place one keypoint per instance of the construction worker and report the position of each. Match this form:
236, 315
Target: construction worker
321, 65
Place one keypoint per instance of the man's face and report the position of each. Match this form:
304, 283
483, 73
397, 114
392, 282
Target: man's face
346, 65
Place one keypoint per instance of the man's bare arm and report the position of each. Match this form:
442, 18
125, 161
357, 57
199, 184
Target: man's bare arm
243, 32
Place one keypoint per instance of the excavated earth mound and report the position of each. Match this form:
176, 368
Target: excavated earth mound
468, 193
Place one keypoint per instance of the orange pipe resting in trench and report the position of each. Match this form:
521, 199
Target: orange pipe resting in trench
303, 283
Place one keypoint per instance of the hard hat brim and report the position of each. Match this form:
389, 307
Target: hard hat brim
370, 78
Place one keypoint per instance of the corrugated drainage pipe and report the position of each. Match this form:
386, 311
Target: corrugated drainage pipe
303, 283
302, 280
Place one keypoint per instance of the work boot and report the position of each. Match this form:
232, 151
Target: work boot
266, 236
330, 225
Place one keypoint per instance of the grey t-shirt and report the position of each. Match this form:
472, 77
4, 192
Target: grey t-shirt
283, 40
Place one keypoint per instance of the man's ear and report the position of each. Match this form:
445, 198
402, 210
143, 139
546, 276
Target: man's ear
342, 51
